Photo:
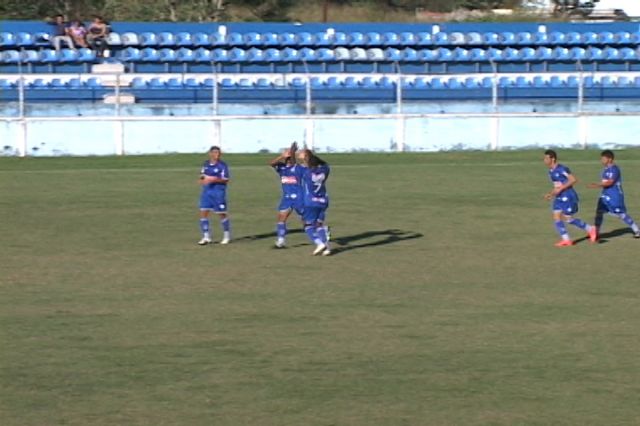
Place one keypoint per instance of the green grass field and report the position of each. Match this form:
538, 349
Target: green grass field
445, 303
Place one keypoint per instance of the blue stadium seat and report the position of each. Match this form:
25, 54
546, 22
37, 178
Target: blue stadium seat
10, 56
235, 39
298, 83
245, 83
304, 39
541, 39
589, 38
237, 55
494, 54
487, 82
623, 37
184, 55
539, 82
129, 39
252, 39
322, 39
392, 54
441, 39
577, 54
270, 40
606, 37
368, 83
166, 39
525, 38
174, 83
287, 39
461, 55
57, 83
386, 83
595, 54
628, 54
93, 83
427, 55
317, 83
273, 55
200, 39
351, 83
507, 38
375, 55
443, 54
131, 54
420, 83
505, 82
573, 38
334, 83
6, 84
227, 83
38, 83
606, 81
527, 54
491, 39
156, 83
7, 39
68, 55
208, 82
30, 56
561, 54
635, 37
263, 83
573, 81
454, 83
113, 39
25, 39
390, 39
436, 83
478, 55
424, 39
75, 83
192, 83
522, 82
167, 55
636, 82
148, 54
340, 39
256, 55
556, 81
202, 55
474, 39
588, 82
407, 39
341, 54
373, 39
148, 39
409, 55
611, 54
356, 39
138, 83
86, 55
185, 39
49, 56
472, 83
557, 37
218, 40
623, 81
510, 54
290, 55
307, 54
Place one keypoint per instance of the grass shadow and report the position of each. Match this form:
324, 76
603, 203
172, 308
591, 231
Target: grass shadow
604, 237
361, 240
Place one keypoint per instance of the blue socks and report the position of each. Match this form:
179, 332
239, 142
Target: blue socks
226, 225
204, 226
281, 229
629, 222
562, 230
579, 223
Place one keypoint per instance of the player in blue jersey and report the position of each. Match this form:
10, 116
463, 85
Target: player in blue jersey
314, 175
612, 197
289, 171
214, 177
565, 200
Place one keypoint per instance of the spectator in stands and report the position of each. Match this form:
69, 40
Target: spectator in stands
97, 35
78, 32
61, 33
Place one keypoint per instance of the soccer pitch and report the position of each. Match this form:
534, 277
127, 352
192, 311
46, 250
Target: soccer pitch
445, 302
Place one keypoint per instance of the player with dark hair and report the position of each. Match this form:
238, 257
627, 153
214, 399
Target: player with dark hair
565, 200
314, 175
612, 197
214, 177
292, 200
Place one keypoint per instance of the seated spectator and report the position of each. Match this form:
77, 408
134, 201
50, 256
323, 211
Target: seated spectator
78, 32
60, 33
97, 35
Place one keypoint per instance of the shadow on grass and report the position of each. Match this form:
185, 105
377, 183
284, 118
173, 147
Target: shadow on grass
362, 240
266, 235
604, 237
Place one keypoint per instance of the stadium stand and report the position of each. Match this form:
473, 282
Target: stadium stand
453, 61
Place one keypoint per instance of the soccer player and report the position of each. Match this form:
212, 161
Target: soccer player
288, 170
565, 200
612, 198
214, 178
314, 175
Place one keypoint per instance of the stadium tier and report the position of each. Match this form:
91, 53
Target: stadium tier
329, 87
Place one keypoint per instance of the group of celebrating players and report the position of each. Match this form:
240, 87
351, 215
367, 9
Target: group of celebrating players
565, 198
303, 176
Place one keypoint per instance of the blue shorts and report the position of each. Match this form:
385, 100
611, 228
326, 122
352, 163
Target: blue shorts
213, 201
313, 215
568, 206
614, 206
287, 204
